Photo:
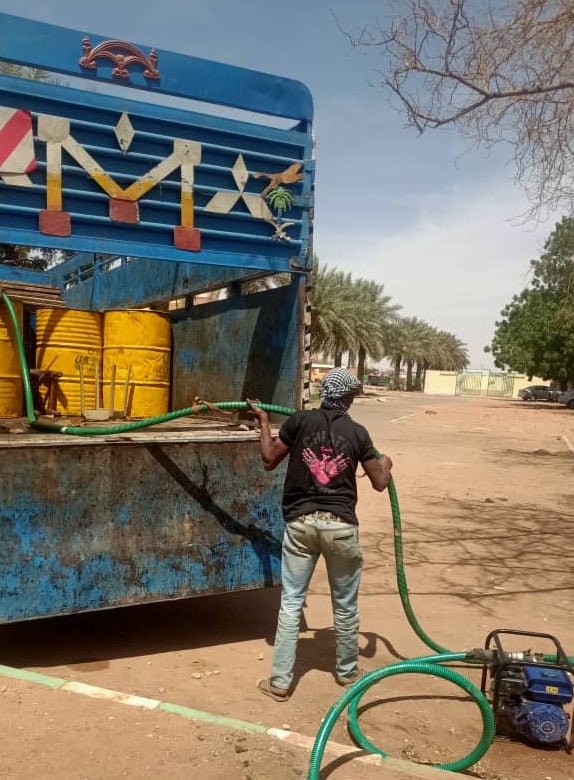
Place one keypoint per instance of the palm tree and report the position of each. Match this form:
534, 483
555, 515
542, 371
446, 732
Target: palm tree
427, 352
354, 316
263, 283
419, 345
393, 350
331, 328
375, 313
451, 352
348, 316
408, 340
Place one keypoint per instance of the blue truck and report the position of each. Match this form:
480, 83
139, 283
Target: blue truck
180, 188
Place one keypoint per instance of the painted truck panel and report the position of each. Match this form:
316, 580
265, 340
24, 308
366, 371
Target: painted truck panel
157, 206
97, 172
21, 40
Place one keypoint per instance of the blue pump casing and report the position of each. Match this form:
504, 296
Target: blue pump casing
540, 717
547, 684
530, 688
540, 723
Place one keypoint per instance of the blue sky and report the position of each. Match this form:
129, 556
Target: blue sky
434, 220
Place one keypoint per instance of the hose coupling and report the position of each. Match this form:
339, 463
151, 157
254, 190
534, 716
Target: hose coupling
481, 654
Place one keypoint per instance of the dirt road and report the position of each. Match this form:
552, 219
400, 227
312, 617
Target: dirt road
485, 490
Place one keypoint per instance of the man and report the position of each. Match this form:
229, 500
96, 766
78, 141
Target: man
325, 447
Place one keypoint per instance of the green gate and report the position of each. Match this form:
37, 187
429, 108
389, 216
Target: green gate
500, 385
488, 383
468, 383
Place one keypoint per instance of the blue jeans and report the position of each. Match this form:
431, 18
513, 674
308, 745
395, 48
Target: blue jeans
304, 540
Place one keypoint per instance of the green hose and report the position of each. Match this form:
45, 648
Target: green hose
80, 430
404, 592
422, 665
401, 576
22, 358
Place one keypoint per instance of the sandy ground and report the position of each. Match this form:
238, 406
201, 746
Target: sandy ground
485, 491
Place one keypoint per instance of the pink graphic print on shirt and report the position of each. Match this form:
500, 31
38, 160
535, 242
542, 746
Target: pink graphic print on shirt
325, 467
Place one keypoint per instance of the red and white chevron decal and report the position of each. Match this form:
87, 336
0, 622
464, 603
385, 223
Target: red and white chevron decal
17, 156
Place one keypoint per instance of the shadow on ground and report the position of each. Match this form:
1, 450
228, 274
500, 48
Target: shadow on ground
142, 630
478, 550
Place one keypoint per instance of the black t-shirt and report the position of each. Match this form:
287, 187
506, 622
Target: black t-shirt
325, 448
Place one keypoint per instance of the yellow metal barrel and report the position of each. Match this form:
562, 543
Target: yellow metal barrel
138, 344
11, 387
70, 341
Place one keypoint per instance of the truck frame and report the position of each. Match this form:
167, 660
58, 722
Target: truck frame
204, 215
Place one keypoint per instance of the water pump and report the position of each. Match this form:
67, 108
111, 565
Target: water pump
529, 690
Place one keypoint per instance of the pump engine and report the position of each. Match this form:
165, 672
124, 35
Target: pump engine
528, 691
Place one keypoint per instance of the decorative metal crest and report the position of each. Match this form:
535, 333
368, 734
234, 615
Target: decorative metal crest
122, 55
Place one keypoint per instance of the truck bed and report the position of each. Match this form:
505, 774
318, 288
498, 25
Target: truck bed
17, 432
179, 509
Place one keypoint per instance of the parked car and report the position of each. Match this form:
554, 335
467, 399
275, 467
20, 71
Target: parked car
567, 398
538, 393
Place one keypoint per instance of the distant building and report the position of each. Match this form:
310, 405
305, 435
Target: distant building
318, 370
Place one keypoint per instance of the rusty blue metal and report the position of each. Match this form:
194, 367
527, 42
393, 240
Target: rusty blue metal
100, 282
91, 526
244, 347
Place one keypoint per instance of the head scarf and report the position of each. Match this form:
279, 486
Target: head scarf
337, 384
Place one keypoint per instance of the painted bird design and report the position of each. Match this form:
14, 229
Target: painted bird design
289, 176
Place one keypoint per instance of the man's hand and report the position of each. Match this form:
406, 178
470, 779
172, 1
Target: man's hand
386, 462
272, 449
257, 411
378, 471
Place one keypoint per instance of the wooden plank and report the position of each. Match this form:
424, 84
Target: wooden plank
34, 294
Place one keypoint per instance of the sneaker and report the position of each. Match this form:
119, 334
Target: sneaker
268, 689
346, 681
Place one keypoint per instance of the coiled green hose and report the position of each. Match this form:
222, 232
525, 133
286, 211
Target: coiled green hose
404, 591
423, 665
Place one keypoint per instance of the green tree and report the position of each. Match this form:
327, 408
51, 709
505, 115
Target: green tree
535, 334
374, 312
25, 258
448, 352
408, 340
331, 311
554, 270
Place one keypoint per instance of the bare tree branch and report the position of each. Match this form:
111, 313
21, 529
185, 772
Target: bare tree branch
500, 72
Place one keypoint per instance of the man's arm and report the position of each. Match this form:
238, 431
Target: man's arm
378, 471
272, 448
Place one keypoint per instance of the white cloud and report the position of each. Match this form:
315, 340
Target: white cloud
456, 265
